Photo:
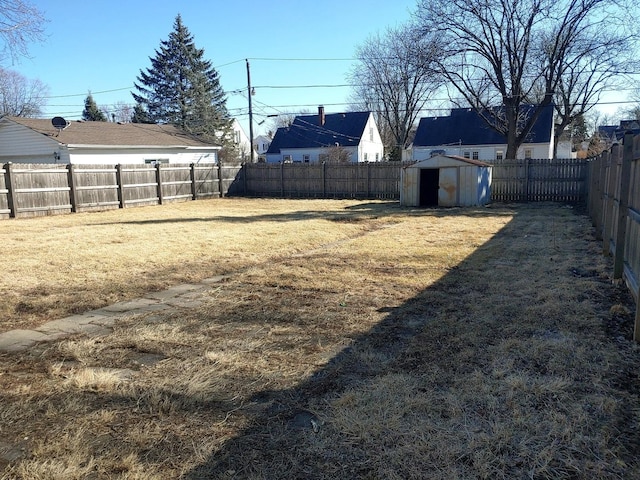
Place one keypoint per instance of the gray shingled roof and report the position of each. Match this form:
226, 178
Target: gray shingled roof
114, 134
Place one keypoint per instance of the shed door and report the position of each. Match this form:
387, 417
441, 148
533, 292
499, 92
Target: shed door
447, 193
429, 179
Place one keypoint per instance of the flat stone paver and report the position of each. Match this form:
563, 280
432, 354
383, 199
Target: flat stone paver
18, 340
101, 321
139, 305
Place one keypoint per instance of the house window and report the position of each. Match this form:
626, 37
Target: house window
155, 161
499, 154
528, 153
236, 135
467, 154
377, 157
476, 155
306, 158
286, 158
371, 134
366, 157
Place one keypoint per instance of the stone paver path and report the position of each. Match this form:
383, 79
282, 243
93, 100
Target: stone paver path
101, 321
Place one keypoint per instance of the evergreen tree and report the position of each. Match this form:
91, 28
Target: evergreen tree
140, 115
183, 89
91, 112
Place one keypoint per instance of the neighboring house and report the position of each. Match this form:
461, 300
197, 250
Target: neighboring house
261, 144
351, 137
30, 140
613, 134
465, 134
241, 141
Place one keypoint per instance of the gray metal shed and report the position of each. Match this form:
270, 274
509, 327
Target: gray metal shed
445, 181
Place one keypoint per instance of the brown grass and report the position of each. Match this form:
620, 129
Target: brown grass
352, 340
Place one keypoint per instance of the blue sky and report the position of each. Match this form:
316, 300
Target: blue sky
101, 46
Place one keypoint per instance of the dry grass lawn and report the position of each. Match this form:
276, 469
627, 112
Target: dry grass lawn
351, 340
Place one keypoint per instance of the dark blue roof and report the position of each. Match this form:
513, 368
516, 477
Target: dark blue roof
345, 129
617, 132
466, 127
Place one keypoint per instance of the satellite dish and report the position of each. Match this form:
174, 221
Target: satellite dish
59, 123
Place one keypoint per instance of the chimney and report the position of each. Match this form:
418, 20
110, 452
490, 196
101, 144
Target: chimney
321, 115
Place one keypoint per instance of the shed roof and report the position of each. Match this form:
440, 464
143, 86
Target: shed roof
113, 134
455, 158
346, 129
466, 127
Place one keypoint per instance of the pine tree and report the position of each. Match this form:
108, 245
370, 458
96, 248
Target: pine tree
140, 115
183, 89
91, 112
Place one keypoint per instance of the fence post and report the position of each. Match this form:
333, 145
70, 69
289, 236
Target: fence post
71, 180
192, 175
120, 185
159, 184
368, 179
621, 234
607, 204
243, 171
526, 180
9, 182
324, 179
282, 179
220, 180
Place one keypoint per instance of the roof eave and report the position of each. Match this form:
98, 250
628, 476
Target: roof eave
141, 147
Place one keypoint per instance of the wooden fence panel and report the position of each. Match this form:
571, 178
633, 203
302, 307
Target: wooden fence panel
5, 211
96, 187
31, 189
539, 180
176, 182
206, 180
39, 189
139, 185
615, 197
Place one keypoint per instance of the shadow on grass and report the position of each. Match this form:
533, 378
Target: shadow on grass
357, 212
506, 373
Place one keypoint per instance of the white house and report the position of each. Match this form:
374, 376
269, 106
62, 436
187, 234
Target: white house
465, 134
316, 138
261, 145
241, 141
30, 140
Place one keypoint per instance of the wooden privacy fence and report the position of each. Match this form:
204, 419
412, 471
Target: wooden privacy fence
539, 180
29, 189
32, 189
322, 180
614, 207
561, 180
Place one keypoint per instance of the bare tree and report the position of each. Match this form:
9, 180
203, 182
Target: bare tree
19, 96
593, 61
121, 112
394, 77
20, 24
513, 52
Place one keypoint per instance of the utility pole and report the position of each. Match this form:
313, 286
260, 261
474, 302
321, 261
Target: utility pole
249, 93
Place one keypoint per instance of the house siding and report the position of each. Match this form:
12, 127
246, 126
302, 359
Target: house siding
369, 148
125, 156
19, 144
486, 153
